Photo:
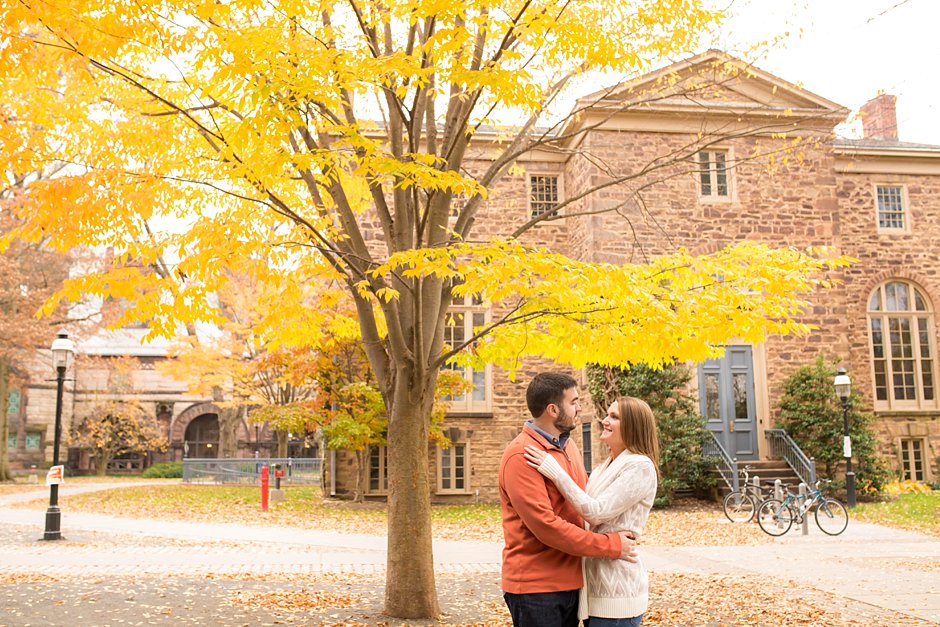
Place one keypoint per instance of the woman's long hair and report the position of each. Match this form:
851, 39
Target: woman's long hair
638, 428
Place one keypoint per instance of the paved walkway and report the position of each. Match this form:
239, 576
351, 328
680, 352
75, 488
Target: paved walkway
870, 564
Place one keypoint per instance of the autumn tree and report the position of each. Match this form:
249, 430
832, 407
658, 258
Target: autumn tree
30, 273
116, 423
244, 361
365, 139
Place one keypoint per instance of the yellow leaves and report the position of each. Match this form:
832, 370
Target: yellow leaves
677, 306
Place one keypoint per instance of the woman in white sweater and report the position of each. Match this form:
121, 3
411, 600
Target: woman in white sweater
618, 497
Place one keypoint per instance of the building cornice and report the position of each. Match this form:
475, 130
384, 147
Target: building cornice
910, 160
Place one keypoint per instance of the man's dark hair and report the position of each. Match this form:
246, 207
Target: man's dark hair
547, 388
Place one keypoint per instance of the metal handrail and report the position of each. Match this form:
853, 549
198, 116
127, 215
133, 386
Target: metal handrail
782, 445
304, 470
726, 465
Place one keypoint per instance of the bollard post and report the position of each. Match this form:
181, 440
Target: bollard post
277, 494
264, 488
804, 508
778, 490
758, 495
33, 477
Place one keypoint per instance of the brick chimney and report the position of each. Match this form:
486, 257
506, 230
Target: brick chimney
879, 117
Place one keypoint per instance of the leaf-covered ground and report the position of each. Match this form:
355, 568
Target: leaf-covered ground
468, 599
689, 522
471, 599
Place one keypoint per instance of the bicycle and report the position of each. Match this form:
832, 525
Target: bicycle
775, 517
739, 505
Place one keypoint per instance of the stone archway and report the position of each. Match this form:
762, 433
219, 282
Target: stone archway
180, 427
182, 420
202, 437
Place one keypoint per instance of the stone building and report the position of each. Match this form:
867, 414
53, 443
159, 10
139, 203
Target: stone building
758, 159
189, 423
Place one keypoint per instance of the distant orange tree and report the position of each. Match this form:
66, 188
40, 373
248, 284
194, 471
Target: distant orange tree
117, 427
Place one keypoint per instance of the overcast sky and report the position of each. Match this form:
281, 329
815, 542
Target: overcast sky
849, 50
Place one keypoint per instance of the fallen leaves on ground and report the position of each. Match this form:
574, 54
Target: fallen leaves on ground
689, 522
302, 600
13, 579
693, 599
693, 522
18, 488
927, 567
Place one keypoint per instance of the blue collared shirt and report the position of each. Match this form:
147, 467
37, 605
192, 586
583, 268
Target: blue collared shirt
558, 442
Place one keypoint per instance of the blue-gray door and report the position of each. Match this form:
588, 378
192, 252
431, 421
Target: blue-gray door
726, 397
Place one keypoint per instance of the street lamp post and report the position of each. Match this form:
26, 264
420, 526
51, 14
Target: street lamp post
62, 349
843, 390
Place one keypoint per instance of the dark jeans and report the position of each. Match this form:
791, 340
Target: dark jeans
544, 609
593, 621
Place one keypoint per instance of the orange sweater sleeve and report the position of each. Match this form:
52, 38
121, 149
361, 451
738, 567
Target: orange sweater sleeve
528, 492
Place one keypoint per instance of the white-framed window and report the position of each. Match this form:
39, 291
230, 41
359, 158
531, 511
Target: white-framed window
714, 178
544, 194
378, 470
33, 440
465, 315
901, 330
891, 207
11, 440
912, 459
452, 464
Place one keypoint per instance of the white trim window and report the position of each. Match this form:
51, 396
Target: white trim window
378, 470
544, 194
901, 330
452, 464
714, 178
464, 316
891, 206
912, 459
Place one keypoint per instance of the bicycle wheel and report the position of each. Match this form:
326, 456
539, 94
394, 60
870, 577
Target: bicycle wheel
739, 507
774, 517
831, 517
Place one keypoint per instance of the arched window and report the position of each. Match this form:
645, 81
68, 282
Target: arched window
902, 343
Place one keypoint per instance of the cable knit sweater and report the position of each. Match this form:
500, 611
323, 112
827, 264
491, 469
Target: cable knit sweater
618, 497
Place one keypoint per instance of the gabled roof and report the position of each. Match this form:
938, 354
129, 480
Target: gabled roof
739, 81
710, 85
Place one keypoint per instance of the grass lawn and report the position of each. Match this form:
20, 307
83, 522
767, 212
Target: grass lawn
302, 507
915, 512
690, 522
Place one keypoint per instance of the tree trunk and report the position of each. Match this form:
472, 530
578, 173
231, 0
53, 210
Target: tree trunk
410, 590
101, 469
229, 419
281, 443
5, 472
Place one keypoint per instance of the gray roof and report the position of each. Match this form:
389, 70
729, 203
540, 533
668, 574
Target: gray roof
883, 144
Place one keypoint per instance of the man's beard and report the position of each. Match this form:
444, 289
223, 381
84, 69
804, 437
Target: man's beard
563, 422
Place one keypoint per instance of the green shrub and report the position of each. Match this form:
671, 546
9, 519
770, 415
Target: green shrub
811, 414
681, 429
169, 470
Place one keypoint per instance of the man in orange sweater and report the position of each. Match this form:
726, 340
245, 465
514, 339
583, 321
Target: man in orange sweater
545, 536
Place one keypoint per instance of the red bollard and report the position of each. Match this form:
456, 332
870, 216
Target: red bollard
265, 481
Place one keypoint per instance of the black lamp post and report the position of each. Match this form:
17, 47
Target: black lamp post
62, 349
843, 391
257, 440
